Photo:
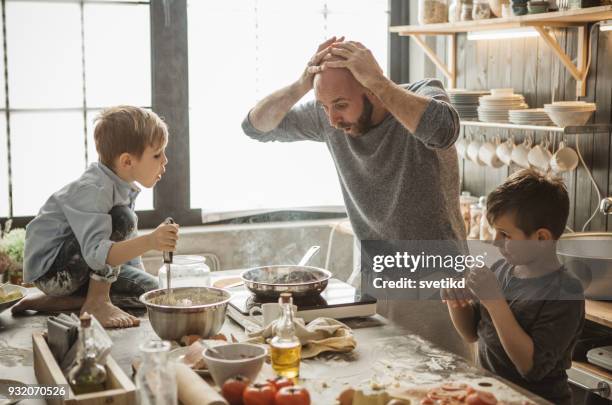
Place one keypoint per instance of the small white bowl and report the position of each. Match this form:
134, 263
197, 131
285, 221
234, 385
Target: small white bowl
244, 359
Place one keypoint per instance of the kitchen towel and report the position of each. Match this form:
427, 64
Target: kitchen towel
320, 335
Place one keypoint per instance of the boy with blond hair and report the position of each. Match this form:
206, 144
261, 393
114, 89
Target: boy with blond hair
83, 250
526, 312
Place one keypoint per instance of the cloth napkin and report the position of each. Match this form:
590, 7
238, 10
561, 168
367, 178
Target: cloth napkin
320, 335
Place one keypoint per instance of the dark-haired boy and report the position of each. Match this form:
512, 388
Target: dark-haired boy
528, 311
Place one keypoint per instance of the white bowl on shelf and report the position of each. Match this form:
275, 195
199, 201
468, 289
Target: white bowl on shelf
567, 118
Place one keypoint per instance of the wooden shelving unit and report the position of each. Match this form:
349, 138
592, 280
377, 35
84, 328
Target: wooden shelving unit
573, 130
541, 23
599, 312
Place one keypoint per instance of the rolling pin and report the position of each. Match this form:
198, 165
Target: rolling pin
193, 390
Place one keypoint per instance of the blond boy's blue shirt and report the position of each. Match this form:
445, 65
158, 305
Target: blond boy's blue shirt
82, 207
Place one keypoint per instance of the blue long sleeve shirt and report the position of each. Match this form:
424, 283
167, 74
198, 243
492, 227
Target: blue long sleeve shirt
82, 207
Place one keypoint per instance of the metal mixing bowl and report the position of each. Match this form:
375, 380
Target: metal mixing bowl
589, 256
204, 317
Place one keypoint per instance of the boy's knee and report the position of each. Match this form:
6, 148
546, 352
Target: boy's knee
124, 222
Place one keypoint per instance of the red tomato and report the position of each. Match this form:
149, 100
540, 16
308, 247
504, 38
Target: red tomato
481, 398
233, 389
280, 382
346, 397
293, 396
259, 394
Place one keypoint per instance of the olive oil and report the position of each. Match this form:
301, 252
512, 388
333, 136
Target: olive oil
87, 375
285, 347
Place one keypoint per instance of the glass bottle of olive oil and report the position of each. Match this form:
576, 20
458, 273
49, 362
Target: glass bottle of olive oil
87, 375
285, 346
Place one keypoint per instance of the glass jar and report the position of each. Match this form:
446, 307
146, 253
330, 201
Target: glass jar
155, 378
454, 11
481, 10
465, 202
186, 271
466, 12
433, 11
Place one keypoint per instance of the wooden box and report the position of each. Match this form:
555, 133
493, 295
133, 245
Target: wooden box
120, 389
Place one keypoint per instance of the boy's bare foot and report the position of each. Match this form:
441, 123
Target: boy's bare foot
46, 303
109, 315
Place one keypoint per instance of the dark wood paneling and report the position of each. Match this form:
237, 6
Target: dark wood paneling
530, 68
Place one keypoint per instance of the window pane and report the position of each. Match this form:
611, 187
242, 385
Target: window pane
145, 198
44, 61
117, 60
48, 152
230, 171
4, 197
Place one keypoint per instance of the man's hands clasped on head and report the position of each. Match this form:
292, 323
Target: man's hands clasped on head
317, 58
353, 56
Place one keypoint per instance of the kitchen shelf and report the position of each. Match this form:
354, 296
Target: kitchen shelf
599, 312
541, 23
571, 130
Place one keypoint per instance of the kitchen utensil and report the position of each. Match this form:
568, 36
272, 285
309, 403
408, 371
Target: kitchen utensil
487, 155
461, 146
204, 317
168, 261
565, 159
238, 359
193, 390
211, 348
270, 281
588, 256
309, 254
472, 151
539, 156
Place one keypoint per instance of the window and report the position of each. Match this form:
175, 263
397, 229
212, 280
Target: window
66, 61
241, 51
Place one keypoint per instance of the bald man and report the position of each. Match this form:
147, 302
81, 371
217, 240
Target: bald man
392, 145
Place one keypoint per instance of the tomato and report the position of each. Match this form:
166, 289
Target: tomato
295, 395
259, 394
280, 382
233, 389
481, 398
346, 396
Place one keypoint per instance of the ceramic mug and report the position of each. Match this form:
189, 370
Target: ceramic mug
473, 150
487, 155
565, 159
269, 312
539, 156
504, 151
520, 153
462, 145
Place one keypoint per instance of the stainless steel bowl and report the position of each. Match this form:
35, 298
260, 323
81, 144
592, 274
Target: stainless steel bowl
301, 281
588, 255
204, 317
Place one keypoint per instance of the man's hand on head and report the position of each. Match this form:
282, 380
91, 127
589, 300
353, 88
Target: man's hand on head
317, 58
356, 58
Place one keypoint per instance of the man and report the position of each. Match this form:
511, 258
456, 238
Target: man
392, 145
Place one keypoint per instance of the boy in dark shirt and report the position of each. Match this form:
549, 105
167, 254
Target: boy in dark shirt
527, 311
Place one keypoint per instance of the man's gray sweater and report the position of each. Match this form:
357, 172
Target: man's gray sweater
396, 185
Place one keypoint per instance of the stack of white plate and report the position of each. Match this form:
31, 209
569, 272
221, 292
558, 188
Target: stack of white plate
466, 102
494, 108
565, 113
531, 116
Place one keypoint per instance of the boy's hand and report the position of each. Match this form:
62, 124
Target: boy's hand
164, 237
456, 297
482, 282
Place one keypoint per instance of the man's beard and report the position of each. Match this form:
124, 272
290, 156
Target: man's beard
364, 123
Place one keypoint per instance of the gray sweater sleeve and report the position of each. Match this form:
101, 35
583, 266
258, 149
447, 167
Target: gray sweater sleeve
302, 123
439, 126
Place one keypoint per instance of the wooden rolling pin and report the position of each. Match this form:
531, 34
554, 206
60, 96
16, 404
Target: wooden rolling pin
193, 390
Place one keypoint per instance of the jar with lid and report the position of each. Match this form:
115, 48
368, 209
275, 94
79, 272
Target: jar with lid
186, 271
433, 11
465, 202
485, 230
481, 10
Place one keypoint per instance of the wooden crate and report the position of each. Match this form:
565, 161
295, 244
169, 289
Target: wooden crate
120, 389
